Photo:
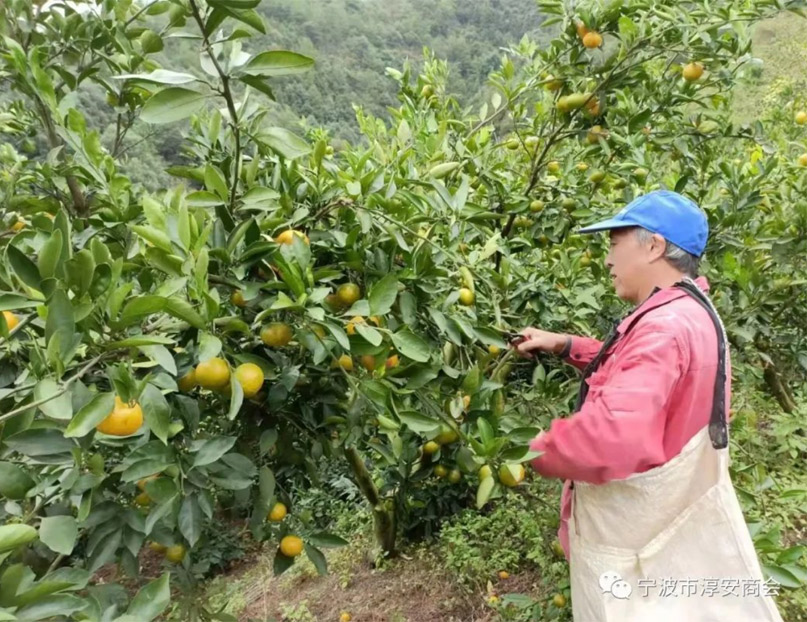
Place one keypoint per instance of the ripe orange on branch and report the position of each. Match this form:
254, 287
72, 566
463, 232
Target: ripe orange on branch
125, 419
291, 546
214, 373
276, 335
287, 237
11, 320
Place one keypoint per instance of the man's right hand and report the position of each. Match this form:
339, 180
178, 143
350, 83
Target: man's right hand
541, 341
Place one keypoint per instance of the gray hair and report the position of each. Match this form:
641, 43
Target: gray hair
680, 259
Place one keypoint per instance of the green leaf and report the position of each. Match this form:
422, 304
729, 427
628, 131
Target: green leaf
80, 270
317, 558
60, 321
472, 380
215, 181
23, 267
383, 294
91, 415
172, 104
370, 334
411, 346
190, 519
234, 4
209, 347
212, 449
284, 142
50, 254
12, 536
278, 63
156, 411
14, 482
484, 491
59, 533
281, 563
162, 355
159, 76
139, 340
326, 540
40, 442
152, 600
56, 605
154, 236
236, 399
781, 575
418, 422
60, 407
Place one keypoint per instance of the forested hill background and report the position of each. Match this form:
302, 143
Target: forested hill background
353, 43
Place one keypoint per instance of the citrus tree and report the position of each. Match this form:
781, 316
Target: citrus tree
283, 306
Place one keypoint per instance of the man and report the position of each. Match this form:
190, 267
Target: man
647, 497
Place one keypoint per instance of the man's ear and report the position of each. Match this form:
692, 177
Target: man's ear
658, 246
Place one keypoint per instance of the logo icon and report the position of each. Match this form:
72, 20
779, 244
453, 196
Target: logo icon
612, 583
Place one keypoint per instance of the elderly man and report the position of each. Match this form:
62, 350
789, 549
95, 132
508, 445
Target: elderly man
650, 521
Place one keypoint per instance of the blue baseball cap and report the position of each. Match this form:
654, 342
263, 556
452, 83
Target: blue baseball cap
673, 216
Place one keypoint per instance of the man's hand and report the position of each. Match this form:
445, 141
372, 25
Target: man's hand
541, 341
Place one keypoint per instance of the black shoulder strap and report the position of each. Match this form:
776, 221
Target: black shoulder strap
718, 432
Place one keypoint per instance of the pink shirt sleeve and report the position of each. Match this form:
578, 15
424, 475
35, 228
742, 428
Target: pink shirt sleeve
582, 351
619, 430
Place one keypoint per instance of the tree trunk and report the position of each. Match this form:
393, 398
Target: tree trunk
778, 389
383, 509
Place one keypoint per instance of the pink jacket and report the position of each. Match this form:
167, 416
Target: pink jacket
651, 394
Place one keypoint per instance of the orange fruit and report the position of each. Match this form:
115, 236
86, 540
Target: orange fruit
291, 546
803, 159
511, 475
581, 29
175, 554
494, 349
801, 117
503, 574
344, 361
18, 226
447, 436
237, 298
125, 419
157, 547
351, 325
592, 40
287, 236
692, 71
11, 320
466, 402
440, 471
485, 471
559, 600
276, 334
250, 377
454, 476
348, 293
536, 205
368, 362
213, 373
278, 512
392, 362
142, 500
467, 297
553, 166
431, 447
188, 381
345, 617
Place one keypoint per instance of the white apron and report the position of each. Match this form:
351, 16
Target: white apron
680, 522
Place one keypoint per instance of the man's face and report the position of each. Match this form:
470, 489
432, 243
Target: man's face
627, 260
